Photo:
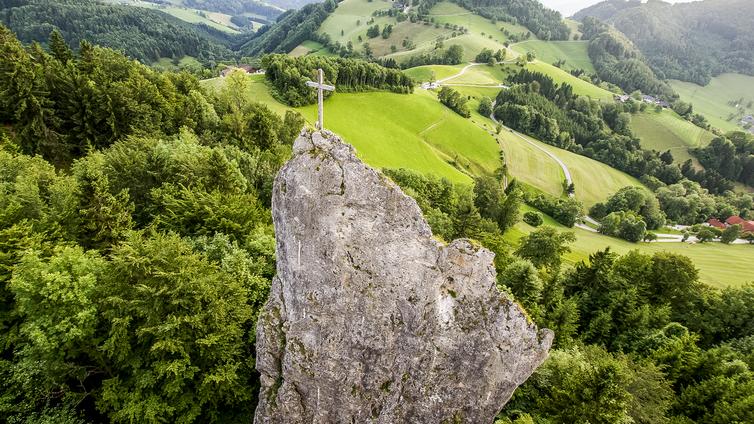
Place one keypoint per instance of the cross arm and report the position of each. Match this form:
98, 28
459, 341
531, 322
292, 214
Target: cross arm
320, 86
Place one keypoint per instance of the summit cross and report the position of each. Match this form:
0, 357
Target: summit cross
321, 87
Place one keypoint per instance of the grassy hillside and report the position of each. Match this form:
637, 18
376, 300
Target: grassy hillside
532, 166
433, 72
349, 22
668, 131
719, 265
216, 20
410, 131
717, 101
580, 86
310, 48
574, 53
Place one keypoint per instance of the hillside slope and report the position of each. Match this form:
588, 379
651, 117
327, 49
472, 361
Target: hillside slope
143, 34
686, 41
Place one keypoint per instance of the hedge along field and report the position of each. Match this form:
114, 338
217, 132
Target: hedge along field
719, 265
712, 99
666, 130
575, 53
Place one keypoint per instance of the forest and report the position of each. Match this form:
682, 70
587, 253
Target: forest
288, 76
291, 29
618, 61
142, 34
637, 337
690, 42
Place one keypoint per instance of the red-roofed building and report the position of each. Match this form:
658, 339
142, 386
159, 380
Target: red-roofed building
716, 223
747, 226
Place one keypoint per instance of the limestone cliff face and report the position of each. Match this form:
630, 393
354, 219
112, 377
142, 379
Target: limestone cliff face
370, 320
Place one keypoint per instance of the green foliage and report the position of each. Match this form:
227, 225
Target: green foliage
557, 392
731, 156
454, 100
545, 246
141, 33
533, 218
485, 106
564, 210
635, 200
289, 75
62, 110
690, 42
618, 61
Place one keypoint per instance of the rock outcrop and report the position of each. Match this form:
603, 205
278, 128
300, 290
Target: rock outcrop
370, 319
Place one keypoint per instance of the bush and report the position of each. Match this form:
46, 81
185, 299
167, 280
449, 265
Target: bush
533, 218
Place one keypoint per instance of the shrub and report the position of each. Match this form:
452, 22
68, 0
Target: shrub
533, 218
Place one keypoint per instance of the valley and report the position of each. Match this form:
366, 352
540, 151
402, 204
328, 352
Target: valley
542, 219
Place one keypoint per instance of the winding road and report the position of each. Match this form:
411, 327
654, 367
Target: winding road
661, 238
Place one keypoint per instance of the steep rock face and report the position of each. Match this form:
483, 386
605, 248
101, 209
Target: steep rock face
372, 320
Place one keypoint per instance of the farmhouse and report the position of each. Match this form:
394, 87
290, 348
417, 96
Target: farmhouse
737, 220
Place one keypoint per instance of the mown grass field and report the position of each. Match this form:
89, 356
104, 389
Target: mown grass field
212, 19
574, 53
480, 74
712, 101
719, 265
580, 87
666, 130
482, 32
447, 12
432, 72
410, 131
594, 181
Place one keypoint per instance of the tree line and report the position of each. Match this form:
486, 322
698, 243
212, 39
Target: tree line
288, 76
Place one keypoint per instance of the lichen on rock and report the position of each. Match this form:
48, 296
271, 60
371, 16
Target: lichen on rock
370, 319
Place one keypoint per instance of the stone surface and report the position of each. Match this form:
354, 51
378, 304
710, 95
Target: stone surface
370, 319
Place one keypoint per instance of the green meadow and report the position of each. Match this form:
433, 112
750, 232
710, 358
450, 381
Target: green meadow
432, 72
717, 100
581, 87
666, 130
410, 131
719, 265
574, 53
416, 132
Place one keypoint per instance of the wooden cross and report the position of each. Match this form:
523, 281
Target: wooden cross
320, 86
